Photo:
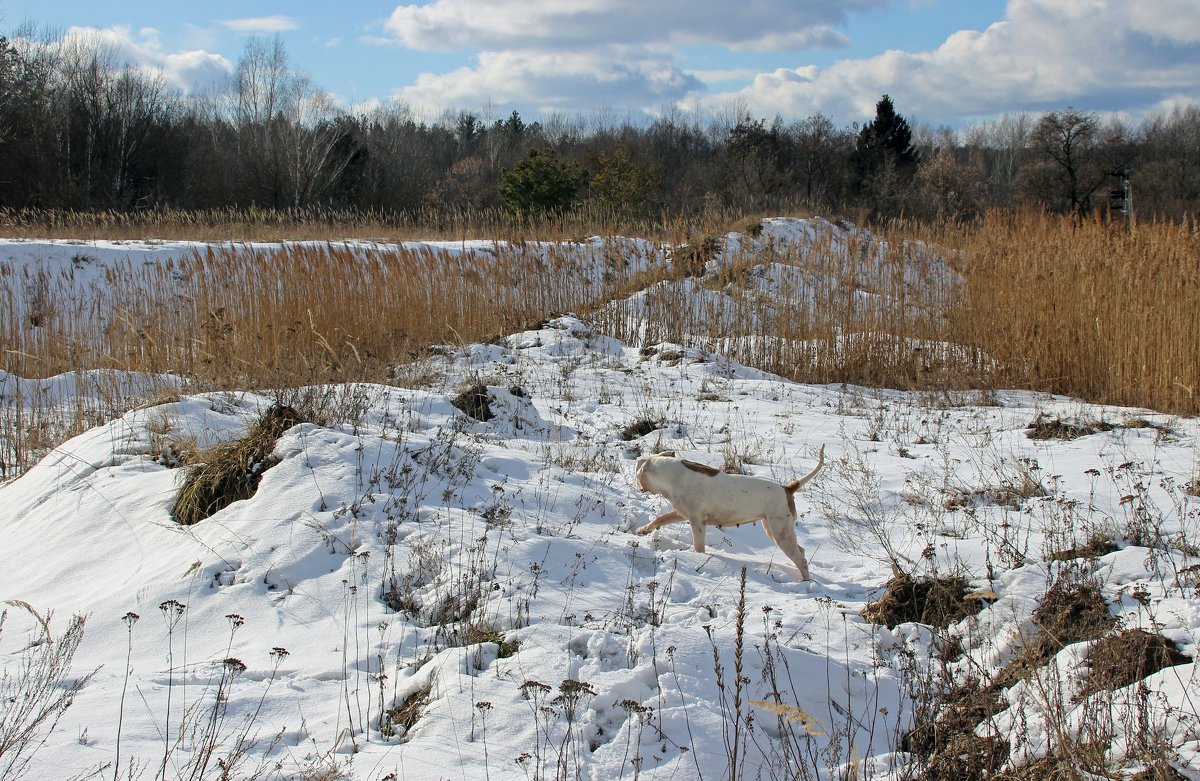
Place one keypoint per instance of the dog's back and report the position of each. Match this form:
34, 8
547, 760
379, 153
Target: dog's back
709, 494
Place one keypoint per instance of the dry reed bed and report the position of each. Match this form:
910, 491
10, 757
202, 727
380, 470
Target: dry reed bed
1081, 308
1086, 309
312, 223
839, 308
252, 317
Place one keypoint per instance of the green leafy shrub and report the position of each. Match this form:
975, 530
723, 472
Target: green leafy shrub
542, 184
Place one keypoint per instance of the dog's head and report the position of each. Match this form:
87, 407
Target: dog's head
639, 473
644, 469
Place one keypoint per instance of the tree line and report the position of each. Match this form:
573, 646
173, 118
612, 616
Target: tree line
81, 130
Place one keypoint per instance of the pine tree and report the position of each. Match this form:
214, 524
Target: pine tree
888, 135
542, 183
884, 158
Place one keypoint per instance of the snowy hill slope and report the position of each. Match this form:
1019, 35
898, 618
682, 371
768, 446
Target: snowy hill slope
414, 591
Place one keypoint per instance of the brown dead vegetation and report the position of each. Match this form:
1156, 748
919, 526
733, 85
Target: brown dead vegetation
231, 471
1120, 659
936, 601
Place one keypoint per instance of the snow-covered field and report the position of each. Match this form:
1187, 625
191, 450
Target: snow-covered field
486, 574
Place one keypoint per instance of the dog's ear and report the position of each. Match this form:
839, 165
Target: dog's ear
703, 469
666, 453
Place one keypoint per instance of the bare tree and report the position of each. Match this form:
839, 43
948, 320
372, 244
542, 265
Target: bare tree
1067, 140
820, 152
1168, 179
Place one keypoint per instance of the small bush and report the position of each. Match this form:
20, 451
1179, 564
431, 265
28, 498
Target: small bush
690, 260
232, 470
750, 226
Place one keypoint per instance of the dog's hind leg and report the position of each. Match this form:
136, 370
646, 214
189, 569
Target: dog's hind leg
660, 521
784, 535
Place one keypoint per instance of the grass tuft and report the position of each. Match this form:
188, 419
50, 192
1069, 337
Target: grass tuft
1120, 659
400, 720
1072, 611
640, 427
475, 401
936, 601
231, 470
1064, 429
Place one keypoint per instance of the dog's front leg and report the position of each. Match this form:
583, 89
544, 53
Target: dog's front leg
660, 521
698, 529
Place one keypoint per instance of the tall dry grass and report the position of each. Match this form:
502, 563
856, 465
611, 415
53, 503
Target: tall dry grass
859, 308
260, 224
1084, 308
252, 224
253, 316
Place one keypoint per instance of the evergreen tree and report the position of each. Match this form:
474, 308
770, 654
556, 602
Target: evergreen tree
542, 183
619, 186
886, 136
884, 158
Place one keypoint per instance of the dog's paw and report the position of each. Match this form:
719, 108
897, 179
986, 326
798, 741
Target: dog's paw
644, 529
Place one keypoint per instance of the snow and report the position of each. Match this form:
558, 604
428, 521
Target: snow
523, 526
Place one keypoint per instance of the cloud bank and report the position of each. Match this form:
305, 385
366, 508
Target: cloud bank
187, 71
572, 56
1099, 55
1104, 55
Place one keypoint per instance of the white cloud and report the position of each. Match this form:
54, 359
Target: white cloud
570, 55
262, 24
573, 81
581, 54
557, 24
187, 71
727, 74
1098, 55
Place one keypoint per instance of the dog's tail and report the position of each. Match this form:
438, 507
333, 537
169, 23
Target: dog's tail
795, 485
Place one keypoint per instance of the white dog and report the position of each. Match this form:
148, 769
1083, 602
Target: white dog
704, 496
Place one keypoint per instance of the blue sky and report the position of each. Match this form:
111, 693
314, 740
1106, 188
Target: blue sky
951, 62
